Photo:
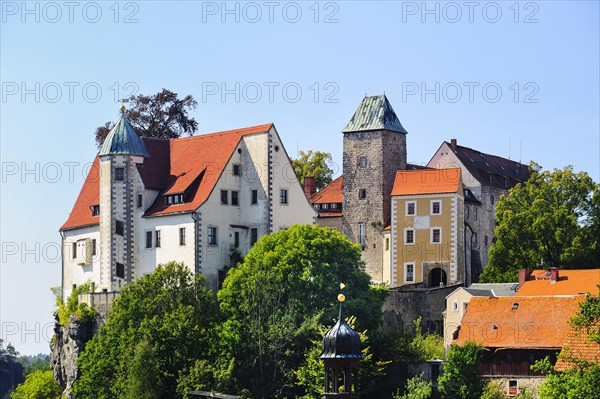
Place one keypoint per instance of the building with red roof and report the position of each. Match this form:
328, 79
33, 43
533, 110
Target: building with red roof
149, 201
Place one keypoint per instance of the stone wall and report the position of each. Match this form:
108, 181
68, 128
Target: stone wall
406, 303
531, 384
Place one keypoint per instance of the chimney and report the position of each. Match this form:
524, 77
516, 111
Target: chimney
309, 186
453, 144
553, 275
523, 276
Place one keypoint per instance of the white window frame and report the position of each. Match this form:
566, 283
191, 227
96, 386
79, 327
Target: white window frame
431, 207
406, 280
214, 235
431, 230
362, 234
406, 229
284, 198
406, 204
455, 306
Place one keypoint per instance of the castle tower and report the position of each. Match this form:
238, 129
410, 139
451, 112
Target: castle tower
374, 149
341, 355
119, 155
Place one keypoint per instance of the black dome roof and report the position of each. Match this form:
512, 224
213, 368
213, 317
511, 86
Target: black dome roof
341, 342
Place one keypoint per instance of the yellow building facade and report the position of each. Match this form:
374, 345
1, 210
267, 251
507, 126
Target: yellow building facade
427, 226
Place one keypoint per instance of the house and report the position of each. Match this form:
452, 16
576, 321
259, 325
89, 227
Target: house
149, 201
558, 282
328, 203
486, 177
458, 300
516, 332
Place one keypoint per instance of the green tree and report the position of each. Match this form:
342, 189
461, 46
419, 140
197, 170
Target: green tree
554, 217
426, 347
315, 164
492, 391
158, 327
274, 302
416, 388
39, 384
461, 378
162, 115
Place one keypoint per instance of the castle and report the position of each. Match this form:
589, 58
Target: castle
417, 225
147, 201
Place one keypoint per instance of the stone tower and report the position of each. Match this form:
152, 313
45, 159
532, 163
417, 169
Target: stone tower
374, 149
121, 153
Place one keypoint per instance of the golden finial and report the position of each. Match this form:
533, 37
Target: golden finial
342, 286
341, 297
123, 109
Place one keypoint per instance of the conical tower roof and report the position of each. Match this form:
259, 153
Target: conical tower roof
374, 113
123, 140
341, 342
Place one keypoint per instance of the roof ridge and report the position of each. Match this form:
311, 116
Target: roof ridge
487, 154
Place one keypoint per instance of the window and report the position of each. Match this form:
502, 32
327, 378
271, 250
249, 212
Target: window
283, 196
409, 236
94, 250
235, 195
474, 213
436, 208
157, 238
485, 240
455, 306
74, 250
237, 170
362, 162
174, 199
325, 206
334, 206
409, 272
236, 239
120, 270
436, 235
212, 236
182, 236
148, 239
491, 178
119, 228
224, 197
466, 212
513, 387
531, 358
387, 244
361, 234
505, 183
474, 239
139, 200
411, 208
362, 193
254, 200
492, 199
317, 206
95, 210
119, 173
253, 235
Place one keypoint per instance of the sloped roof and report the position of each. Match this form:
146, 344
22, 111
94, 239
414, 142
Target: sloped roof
330, 194
122, 139
570, 282
498, 289
374, 113
482, 165
427, 181
190, 165
578, 346
518, 322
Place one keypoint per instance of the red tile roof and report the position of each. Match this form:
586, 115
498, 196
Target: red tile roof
330, 214
578, 347
190, 165
427, 181
570, 282
330, 194
518, 322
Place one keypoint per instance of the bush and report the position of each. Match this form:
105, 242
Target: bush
81, 311
416, 388
39, 385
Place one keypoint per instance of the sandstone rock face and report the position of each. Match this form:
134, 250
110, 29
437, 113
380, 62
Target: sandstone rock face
68, 342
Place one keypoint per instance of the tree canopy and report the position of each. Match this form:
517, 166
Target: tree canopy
158, 327
39, 384
461, 378
552, 218
275, 301
315, 164
162, 115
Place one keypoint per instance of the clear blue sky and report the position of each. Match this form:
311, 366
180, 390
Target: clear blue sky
441, 65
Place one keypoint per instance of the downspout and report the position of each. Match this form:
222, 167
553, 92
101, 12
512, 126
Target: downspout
196, 218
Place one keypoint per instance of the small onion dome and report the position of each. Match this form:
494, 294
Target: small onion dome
341, 342
123, 140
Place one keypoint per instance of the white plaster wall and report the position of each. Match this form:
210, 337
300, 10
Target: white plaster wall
298, 210
72, 272
387, 257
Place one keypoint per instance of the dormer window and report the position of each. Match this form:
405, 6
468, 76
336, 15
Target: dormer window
119, 173
174, 199
95, 210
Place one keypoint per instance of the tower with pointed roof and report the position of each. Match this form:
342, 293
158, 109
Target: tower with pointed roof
374, 149
121, 153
